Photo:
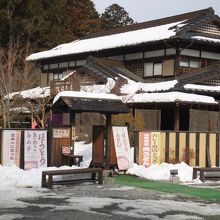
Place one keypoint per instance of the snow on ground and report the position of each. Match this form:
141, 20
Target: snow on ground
16, 177
162, 171
81, 148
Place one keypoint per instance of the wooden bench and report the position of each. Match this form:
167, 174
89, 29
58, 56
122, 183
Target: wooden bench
203, 173
50, 173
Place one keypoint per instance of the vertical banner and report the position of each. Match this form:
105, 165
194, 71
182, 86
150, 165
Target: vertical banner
11, 144
145, 148
35, 149
149, 148
122, 147
155, 147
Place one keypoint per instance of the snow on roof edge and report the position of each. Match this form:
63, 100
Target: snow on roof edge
167, 97
79, 94
110, 41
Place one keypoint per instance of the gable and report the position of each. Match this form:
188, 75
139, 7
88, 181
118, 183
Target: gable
209, 29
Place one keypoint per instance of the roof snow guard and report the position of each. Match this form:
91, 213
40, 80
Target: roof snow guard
131, 35
90, 102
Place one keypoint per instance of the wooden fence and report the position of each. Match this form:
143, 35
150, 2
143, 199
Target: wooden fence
195, 148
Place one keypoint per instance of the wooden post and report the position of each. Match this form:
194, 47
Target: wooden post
72, 124
107, 152
50, 136
177, 118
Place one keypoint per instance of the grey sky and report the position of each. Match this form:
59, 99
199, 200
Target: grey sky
143, 10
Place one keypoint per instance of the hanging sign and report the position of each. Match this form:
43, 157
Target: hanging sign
11, 144
149, 148
35, 149
61, 133
122, 147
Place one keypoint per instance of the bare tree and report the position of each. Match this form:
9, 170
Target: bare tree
39, 105
15, 75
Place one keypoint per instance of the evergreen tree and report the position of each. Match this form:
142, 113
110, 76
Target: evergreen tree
46, 23
115, 16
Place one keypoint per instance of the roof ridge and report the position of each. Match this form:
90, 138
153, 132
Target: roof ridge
153, 23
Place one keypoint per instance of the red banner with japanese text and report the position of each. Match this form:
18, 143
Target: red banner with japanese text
11, 144
35, 149
149, 148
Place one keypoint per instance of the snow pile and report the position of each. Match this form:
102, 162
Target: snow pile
162, 171
16, 177
85, 150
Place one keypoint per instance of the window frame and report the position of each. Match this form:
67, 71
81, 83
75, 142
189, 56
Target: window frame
153, 74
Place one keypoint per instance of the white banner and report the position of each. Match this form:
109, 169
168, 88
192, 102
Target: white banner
35, 149
122, 147
11, 143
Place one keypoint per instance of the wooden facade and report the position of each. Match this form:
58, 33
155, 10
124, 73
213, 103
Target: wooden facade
190, 56
195, 148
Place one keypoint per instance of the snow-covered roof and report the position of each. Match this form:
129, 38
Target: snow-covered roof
133, 87
168, 97
38, 92
209, 39
21, 109
195, 87
85, 95
110, 41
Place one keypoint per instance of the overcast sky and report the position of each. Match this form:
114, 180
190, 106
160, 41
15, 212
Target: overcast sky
143, 10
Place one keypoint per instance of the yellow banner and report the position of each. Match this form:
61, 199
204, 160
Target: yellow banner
155, 147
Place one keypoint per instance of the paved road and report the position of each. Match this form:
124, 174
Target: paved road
110, 201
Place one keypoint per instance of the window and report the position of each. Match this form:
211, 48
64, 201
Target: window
45, 67
54, 66
190, 63
184, 63
152, 69
63, 65
57, 76
157, 69
194, 64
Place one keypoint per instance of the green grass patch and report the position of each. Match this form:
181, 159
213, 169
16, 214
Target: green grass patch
203, 193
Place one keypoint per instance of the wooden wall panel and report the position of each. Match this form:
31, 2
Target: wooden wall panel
182, 147
172, 146
162, 146
98, 145
112, 153
192, 149
212, 149
202, 150
56, 147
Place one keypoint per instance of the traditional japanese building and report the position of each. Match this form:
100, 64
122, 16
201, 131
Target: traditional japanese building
180, 51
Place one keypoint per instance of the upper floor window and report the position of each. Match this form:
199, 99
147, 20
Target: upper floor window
152, 69
57, 76
190, 63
